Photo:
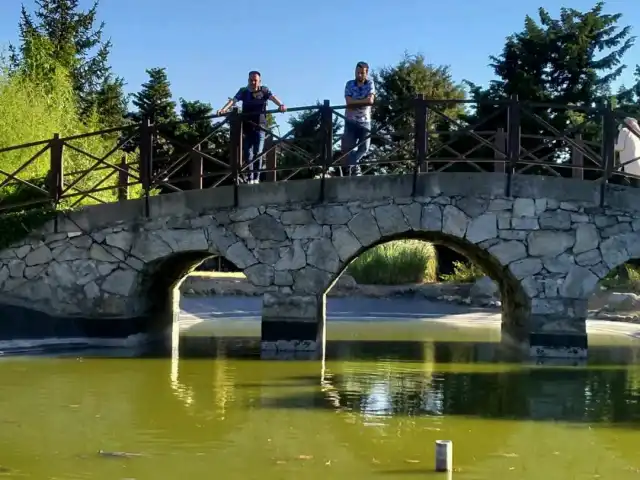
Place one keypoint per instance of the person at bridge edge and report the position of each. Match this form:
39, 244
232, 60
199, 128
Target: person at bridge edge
254, 98
359, 94
628, 144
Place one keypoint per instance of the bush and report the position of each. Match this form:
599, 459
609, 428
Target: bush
395, 263
32, 110
33, 107
463, 273
625, 277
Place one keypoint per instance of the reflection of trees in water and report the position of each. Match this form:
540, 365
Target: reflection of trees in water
574, 394
447, 380
609, 397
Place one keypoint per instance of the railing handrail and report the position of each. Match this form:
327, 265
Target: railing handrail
619, 111
509, 148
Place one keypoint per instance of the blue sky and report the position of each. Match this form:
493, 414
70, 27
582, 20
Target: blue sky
305, 50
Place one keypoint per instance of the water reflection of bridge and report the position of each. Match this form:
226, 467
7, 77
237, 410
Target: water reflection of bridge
375, 401
349, 412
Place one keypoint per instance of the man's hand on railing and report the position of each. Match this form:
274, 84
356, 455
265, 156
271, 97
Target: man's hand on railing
222, 111
282, 108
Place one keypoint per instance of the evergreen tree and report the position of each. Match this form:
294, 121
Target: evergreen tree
154, 100
397, 87
111, 102
628, 99
77, 45
198, 129
303, 149
556, 60
394, 115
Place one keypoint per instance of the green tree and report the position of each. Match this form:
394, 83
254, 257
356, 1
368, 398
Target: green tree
556, 60
628, 98
38, 63
154, 101
111, 102
301, 152
198, 129
394, 117
77, 45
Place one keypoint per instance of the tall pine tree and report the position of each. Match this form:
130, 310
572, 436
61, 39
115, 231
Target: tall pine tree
562, 59
154, 100
111, 101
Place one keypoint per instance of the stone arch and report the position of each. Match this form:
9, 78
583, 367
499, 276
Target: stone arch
516, 304
167, 256
613, 252
469, 227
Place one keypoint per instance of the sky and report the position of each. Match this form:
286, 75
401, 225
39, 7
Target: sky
306, 51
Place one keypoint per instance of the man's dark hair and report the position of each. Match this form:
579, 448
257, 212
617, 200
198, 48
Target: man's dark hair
362, 65
254, 72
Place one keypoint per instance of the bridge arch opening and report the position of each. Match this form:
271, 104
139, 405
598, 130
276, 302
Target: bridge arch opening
160, 286
515, 304
611, 289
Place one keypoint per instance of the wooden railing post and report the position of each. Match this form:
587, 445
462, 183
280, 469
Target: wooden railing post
271, 159
146, 154
420, 139
577, 159
608, 147
197, 168
500, 143
513, 140
56, 170
326, 116
123, 179
235, 150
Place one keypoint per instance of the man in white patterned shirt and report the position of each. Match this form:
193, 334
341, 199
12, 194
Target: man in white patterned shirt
359, 94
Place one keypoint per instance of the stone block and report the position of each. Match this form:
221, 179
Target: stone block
482, 228
454, 221
547, 243
365, 228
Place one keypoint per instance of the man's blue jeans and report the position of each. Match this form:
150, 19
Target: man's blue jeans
252, 146
355, 133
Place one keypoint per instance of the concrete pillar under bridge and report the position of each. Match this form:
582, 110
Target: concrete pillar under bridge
293, 323
294, 326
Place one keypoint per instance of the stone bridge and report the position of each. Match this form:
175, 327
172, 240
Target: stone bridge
111, 271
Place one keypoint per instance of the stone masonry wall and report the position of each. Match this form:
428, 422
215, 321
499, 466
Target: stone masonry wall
554, 252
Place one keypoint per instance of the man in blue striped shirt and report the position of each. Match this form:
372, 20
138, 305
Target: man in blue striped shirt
359, 94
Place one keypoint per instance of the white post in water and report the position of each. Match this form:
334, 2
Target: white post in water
444, 455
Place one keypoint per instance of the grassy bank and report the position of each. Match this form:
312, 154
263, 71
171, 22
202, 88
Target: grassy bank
396, 263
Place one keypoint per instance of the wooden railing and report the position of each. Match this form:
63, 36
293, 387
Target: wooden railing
429, 136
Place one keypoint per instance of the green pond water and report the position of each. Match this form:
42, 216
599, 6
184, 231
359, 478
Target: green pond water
371, 409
